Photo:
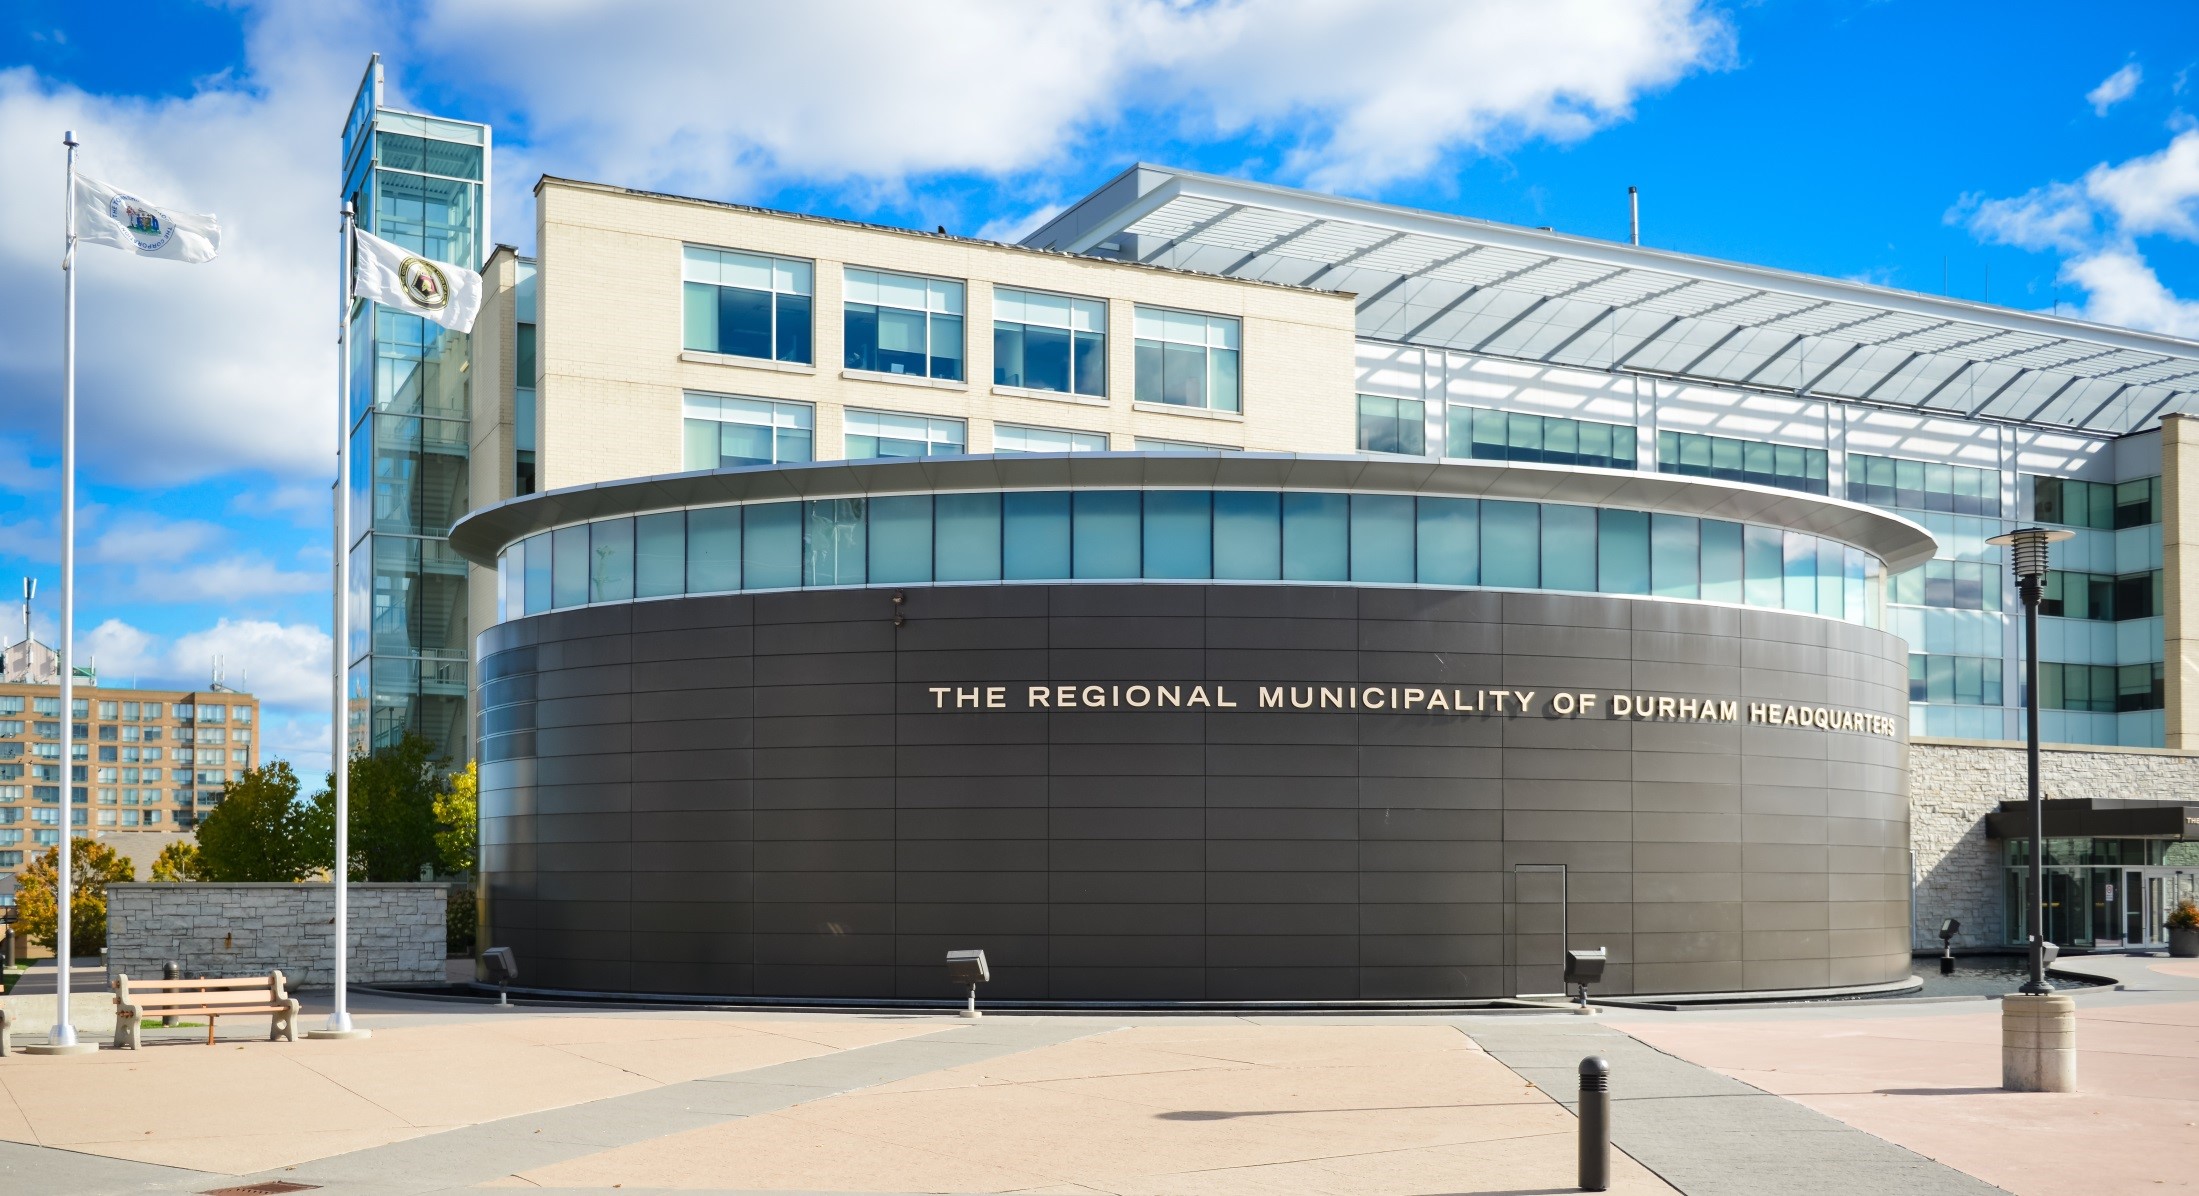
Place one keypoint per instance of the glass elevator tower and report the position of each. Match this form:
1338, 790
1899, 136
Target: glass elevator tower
421, 182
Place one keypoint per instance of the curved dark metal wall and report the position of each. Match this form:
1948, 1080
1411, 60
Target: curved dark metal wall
755, 795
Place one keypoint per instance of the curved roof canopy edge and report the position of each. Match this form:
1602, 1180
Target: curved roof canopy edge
1901, 544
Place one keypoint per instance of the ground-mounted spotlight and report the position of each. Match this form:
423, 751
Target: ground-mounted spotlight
968, 967
1947, 932
496, 966
1583, 968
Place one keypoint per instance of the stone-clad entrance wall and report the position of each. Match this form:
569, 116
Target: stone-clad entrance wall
787, 795
397, 931
1954, 785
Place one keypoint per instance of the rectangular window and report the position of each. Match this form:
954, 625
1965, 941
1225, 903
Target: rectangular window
1958, 680
1786, 466
1510, 544
1383, 536
1389, 425
660, 552
713, 550
1951, 585
2099, 688
2104, 506
744, 305
771, 546
1449, 541
1248, 536
109, 710
833, 552
1922, 485
902, 549
611, 560
1019, 438
1622, 552
1049, 342
723, 432
966, 537
1483, 434
885, 434
1187, 359
1179, 534
903, 324
1104, 534
1034, 535
1568, 547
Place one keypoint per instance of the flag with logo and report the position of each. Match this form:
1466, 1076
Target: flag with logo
396, 277
107, 215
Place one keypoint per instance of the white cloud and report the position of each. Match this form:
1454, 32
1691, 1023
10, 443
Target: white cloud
137, 538
2114, 89
2056, 216
2096, 224
2124, 290
2158, 193
185, 371
227, 579
283, 664
1358, 95
121, 652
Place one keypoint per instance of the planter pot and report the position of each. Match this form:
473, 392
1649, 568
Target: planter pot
2184, 944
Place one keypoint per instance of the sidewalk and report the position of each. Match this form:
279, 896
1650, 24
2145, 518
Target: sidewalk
454, 1097
1927, 1077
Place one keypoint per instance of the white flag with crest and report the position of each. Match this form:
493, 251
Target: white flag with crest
110, 216
395, 276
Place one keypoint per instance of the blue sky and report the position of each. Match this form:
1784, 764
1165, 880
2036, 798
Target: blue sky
2039, 155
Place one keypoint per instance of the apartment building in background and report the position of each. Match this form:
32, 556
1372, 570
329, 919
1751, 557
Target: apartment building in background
145, 760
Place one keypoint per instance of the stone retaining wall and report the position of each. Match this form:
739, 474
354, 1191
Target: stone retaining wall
1953, 786
245, 929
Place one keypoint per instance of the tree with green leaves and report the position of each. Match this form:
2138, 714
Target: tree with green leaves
392, 799
179, 861
92, 867
458, 821
260, 831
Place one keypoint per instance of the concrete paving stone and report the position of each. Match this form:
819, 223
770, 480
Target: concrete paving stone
28, 1168
1755, 1142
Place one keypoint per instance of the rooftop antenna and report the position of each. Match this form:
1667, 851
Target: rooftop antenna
1633, 216
30, 591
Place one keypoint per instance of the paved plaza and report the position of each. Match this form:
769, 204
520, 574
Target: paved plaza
1880, 1098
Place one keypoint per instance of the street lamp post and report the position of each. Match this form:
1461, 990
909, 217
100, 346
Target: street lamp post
2038, 1026
2027, 559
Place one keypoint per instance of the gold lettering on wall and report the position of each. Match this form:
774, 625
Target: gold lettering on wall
1415, 700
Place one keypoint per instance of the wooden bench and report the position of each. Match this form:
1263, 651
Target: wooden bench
136, 1000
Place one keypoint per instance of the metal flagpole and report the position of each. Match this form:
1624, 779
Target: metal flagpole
339, 1014
62, 1038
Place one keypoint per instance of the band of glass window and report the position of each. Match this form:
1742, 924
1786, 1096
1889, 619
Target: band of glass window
2105, 506
1758, 462
1922, 485
1186, 535
2102, 597
1484, 434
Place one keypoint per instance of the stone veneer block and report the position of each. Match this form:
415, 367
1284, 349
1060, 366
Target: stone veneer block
397, 931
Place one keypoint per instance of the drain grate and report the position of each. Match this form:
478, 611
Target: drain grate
273, 1187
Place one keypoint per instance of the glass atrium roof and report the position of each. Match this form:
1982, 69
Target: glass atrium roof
1449, 282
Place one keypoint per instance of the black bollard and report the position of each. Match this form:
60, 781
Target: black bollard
170, 971
1595, 1113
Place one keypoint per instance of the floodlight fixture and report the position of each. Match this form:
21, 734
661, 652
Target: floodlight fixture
968, 967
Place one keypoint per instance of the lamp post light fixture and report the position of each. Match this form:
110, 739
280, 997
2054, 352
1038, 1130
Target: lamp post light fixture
2027, 559
2038, 1036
